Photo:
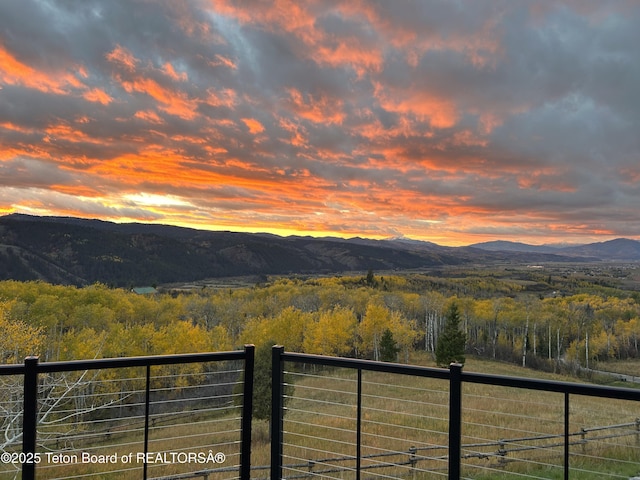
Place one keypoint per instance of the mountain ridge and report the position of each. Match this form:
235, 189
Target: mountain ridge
79, 251
505, 245
615, 249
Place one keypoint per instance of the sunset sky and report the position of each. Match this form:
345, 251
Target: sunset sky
449, 121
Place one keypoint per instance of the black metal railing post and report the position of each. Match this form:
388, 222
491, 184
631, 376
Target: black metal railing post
147, 408
30, 417
277, 389
566, 436
455, 420
247, 413
359, 427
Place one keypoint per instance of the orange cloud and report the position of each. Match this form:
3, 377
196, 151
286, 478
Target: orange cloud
440, 112
123, 57
171, 73
300, 20
97, 95
630, 175
480, 45
362, 59
149, 116
75, 190
151, 165
15, 127
67, 133
298, 133
545, 179
15, 72
224, 98
284, 15
253, 125
174, 103
222, 60
317, 108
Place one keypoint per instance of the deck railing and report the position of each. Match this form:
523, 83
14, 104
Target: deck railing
331, 418
126, 416
329, 421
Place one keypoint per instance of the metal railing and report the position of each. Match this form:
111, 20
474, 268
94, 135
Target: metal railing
154, 406
340, 416
125, 410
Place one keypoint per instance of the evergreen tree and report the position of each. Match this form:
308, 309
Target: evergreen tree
451, 342
388, 347
370, 279
262, 381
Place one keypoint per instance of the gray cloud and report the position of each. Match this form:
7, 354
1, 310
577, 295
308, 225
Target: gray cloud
489, 114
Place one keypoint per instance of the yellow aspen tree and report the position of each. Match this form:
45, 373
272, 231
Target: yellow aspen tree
376, 320
286, 328
181, 337
82, 344
405, 333
130, 341
256, 331
332, 333
18, 340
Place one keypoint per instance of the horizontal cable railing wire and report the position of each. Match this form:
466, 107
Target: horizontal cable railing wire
321, 466
329, 459
542, 447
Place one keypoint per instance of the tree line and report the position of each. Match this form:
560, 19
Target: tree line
345, 316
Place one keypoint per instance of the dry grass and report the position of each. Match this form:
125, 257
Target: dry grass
624, 367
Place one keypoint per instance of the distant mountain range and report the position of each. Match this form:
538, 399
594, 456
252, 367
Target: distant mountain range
79, 251
619, 249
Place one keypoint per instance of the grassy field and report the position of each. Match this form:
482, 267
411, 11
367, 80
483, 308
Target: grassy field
625, 367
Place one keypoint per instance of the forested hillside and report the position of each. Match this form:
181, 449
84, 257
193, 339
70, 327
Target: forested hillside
82, 252
345, 316
73, 251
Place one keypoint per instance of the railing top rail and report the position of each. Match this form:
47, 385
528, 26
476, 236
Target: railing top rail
553, 386
371, 365
12, 369
143, 361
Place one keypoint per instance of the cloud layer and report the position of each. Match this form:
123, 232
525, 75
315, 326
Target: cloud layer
448, 121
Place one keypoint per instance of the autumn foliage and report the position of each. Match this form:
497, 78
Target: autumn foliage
342, 316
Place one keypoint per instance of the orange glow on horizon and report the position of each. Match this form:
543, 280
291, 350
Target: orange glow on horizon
320, 230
